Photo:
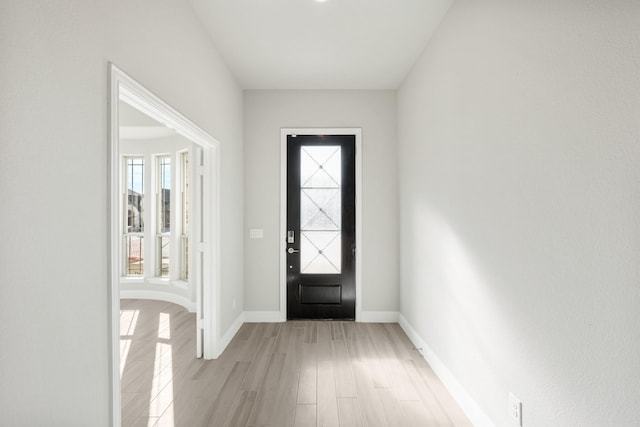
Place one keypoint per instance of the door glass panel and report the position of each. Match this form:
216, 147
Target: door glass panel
320, 167
320, 209
320, 252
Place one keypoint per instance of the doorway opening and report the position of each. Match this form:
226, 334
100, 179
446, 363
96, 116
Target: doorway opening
163, 221
320, 222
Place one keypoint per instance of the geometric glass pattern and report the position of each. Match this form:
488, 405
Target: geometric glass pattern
320, 209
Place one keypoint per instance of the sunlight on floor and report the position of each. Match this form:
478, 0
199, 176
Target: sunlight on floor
161, 403
128, 321
164, 326
149, 344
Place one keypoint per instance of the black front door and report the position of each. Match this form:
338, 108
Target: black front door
321, 230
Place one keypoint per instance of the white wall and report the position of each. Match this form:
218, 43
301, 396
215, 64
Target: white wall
519, 174
265, 113
53, 183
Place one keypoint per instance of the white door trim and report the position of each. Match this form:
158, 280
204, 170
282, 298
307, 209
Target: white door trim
357, 132
123, 87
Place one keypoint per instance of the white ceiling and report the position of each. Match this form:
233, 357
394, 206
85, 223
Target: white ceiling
335, 44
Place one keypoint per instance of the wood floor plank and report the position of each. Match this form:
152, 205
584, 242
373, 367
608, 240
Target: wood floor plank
379, 374
288, 388
415, 414
336, 331
167, 419
322, 373
345, 383
390, 406
161, 401
349, 412
258, 366
308, 383
245, 331
264, 405
219, 408
144, 422
133, 406
311, 332
401, 348
241, 408
448, 404
430, 402
327, 404
382, 348
373, 414
305, 416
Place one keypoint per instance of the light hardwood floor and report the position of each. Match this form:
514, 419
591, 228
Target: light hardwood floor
312, 373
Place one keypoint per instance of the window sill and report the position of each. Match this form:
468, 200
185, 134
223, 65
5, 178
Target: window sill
131, 280
182, 284
159, 281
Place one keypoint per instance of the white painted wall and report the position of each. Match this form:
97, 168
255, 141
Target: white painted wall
519, 174
53, 176
265, 113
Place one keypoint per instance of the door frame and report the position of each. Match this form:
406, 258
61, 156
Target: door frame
357, 132
122, 86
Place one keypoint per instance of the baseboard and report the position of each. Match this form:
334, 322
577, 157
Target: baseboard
365, 317
477, 417
379, 317
160, 296
264, 317
228, 336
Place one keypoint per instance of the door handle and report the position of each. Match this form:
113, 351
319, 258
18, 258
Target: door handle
291, 250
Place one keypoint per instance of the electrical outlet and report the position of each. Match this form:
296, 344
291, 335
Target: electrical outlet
515, 408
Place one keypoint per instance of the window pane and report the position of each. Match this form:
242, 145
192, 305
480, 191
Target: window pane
163, 226
164, 194
134, 253
135, 194
184, 272
320, 252
163, 248
320, 167
185, 258
185, 193
320, 209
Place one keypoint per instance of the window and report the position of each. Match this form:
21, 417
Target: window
163, 221
184, 216
167, 224
133, 217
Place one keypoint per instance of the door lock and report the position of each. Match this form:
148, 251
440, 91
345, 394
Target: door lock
291, 250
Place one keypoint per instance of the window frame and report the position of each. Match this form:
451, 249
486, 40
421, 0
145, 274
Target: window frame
126, 234
160, 216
